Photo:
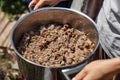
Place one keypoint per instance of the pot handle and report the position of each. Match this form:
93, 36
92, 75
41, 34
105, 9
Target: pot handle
73, 70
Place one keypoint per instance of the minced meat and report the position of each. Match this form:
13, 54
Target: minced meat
55, 45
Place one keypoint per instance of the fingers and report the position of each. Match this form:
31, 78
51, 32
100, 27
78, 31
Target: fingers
80, 75
90, 77
33, 2
41, 3
38, 3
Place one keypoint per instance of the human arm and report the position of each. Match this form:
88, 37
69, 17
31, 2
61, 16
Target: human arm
41, 3
99, 70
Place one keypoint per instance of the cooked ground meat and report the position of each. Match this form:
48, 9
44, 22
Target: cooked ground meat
55, 45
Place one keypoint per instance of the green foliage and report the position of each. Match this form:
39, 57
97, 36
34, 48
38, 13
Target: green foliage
12, 7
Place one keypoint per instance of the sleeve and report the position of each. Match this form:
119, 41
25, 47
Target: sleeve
109, 27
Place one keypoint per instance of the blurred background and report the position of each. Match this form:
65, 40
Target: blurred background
13, 7
10, 12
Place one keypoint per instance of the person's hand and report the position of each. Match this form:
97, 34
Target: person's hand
40, 3
99, 70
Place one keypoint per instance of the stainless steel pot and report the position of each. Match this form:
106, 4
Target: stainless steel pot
78, 20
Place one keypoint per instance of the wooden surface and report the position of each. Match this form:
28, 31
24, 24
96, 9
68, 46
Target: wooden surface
5, 27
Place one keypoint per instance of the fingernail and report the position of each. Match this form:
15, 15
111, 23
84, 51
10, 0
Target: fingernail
34, 8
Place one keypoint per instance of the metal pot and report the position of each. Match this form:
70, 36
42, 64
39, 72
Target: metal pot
78, 20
